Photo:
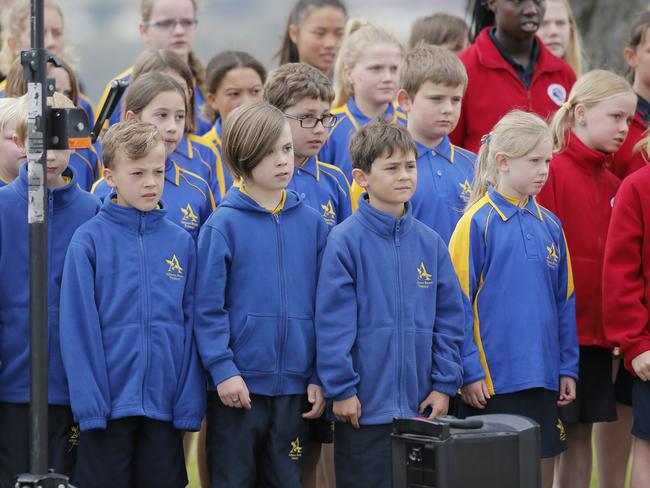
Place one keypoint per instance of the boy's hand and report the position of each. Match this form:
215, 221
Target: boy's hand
317, 400
234, 393
439, 403
348, 410
567, 391
476, 394
641, 366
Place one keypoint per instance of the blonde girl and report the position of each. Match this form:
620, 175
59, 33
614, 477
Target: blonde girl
521, 352
587, 129
366, 80
560, 34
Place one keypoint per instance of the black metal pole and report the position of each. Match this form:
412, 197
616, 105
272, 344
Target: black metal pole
37, 219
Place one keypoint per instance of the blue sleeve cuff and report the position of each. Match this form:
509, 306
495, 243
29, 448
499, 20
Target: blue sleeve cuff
187, 424
315, 380
446, 388
472, 369
570, 374
92, 423
347, 393
221, 370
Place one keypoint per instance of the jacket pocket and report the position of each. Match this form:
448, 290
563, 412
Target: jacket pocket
256, 348
418, 362
300, 348
375, 361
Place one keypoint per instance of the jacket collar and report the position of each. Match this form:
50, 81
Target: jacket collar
310, 167
583, 155
235, 198
444, 149
382, 223
184, 147
358, 118
61, 197
506, 208
132, 218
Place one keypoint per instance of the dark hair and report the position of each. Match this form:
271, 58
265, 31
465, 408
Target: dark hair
16, 85
637, 36
379, 138
156, 60
292, 82
482, 16
438, 29
288, 52
220, 65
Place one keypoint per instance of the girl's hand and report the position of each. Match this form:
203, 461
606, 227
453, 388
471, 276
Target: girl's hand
439, 403
317, 400
641, 366
348, 410
233, 393
567, 391
476, 394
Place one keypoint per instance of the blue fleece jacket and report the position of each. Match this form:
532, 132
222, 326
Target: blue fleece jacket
256, 290
68, 208
127, 303
389, 315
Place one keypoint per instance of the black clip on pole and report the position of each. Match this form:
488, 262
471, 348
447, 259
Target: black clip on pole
117, 89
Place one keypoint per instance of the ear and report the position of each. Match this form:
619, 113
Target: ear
144, 33
404, 100
360, 177
579, 111
108, 176
129, 114
293, 30
19, 143
501, 162
14, 45
630, 57
491, 6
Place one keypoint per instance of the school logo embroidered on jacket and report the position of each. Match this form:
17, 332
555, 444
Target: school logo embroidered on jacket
560, 427
73, 439
190, 219
557, 93
552, 258
466, 190
329, 215
424, 277
175, 271
295, 453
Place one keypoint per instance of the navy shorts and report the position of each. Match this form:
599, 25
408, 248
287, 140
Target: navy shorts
595, 399
623, 386
321, 430
641, 409
537, 404
363, 458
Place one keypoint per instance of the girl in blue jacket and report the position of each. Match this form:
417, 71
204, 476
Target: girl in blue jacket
511, 257
127, 315
258, 265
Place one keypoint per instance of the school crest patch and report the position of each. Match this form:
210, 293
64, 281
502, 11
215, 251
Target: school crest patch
557, 93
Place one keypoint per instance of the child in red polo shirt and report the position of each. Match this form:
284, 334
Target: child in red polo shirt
510, 64
580, 189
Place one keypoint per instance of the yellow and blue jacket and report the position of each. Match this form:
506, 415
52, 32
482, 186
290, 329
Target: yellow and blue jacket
324, 188
212, 138
88, 166
389, 315
127, 315
187, 196
196, 155
350, 119
513, 265
68, 208
202, 125
255, 293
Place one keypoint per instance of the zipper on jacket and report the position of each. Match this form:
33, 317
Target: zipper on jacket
400, 347
145, 309
282, 333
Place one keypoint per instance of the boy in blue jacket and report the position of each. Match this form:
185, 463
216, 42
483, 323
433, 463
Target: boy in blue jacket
127, 317
68, 208
389, 311
258, 266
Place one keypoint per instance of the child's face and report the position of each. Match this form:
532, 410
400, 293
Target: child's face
375, 75
525, 176
307, 142
639, 60
604, 126
53, 33
555, 30
139, 183
167, 112
318, 37
62, 80
11, 156
434, 111
275, 170
164, 31
239, 87
518, 18
56, 163
391, 181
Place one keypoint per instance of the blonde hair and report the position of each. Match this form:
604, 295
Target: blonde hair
14, 20
249, 133
590, 90
431, 63
439, 29
57, 100
132, 138
515, 135
8, 112
198, 70
573, 55
359, 34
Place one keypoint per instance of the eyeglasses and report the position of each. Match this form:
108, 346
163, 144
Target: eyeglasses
170, 24
309, 121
